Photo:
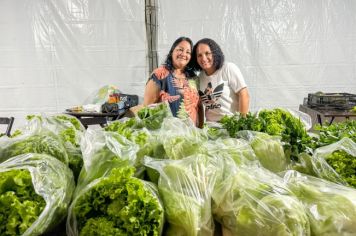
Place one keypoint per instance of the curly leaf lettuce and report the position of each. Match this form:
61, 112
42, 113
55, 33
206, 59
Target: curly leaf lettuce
118, 204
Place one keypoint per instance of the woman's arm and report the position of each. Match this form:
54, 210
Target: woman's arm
244, 101
151, 93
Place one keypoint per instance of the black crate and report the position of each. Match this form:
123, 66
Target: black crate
338, 101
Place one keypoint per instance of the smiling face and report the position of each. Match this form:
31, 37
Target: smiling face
205, 58
181, 55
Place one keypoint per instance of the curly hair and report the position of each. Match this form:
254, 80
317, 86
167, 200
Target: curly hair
168, 63
218, 55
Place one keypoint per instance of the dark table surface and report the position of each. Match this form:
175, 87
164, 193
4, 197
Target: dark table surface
95, 118
324, 113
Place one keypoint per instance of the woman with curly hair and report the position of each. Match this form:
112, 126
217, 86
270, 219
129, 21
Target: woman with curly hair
175, 82
223, 90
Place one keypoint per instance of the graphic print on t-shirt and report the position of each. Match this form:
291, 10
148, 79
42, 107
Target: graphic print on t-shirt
211, 96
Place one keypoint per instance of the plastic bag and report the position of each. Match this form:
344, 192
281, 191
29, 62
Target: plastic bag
185, 187
268, 149
331, 208
117, 204
34, 138
52, 180
71, 131
102, 95
237, 149
336, 160
103, 151
303, 117
180, 138
254, 201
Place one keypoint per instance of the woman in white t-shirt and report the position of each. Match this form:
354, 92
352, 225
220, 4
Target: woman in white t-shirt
222, 88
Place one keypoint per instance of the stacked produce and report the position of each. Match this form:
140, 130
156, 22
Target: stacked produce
255, 201
186, 187
331, 208
35, 192
154, 174
116, 204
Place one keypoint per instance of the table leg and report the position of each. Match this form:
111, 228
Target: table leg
318, 116
332, 119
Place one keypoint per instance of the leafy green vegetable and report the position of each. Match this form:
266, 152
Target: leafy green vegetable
344, 164
329, 134
330, 207
152, 117
35, 191
186, 186
237, 149
235, 123
254, 201
104, 151
336, 162
70, 131
41, 142
118, 204
20, 206
268, 149
273, 122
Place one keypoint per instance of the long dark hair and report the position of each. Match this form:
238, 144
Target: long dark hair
218, 55
188, 70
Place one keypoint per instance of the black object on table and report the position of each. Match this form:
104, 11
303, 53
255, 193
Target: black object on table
96, 118
9, 121
332, 114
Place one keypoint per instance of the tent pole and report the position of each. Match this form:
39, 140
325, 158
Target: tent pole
151, 33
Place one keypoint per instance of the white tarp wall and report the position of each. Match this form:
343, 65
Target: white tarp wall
55, 53
285, 48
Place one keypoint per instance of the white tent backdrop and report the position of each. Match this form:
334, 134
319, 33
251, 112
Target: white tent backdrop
55, 53
285, 48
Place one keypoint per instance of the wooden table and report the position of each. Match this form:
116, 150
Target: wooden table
96, 118
332, 114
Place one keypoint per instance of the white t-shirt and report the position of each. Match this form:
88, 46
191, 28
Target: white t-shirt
219, 91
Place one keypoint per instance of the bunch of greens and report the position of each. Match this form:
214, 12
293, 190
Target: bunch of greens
273, 122
329, 134
35, 191
20, 206
330, 207
340, 160
43, 141
103, 151
282, 123
345, 165
117, 204
237, 149
141, 136
186, 186
236, 122
70, 130
181, 138
152, 117
66, 128
216, 132
126, 128
268, 149
254, 201
150, 143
